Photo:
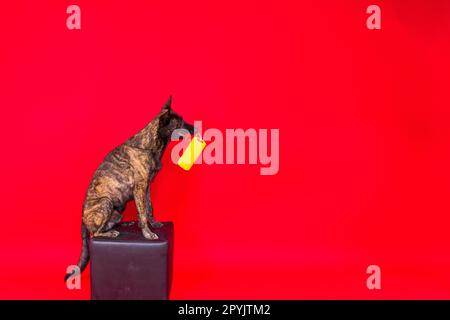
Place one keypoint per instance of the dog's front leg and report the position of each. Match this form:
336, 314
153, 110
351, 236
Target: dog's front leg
140, 191
151, 218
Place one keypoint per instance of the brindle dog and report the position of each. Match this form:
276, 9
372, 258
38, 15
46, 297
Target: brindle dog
125, 174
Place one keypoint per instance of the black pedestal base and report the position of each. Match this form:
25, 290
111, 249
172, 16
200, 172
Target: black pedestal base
130, 266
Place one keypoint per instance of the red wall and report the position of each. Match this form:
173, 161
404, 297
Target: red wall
364, 141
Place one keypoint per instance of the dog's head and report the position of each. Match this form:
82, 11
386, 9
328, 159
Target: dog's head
169, 121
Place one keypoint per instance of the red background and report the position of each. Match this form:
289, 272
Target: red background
364, 141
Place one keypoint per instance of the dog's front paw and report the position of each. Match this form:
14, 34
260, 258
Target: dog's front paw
149, 235
156, 224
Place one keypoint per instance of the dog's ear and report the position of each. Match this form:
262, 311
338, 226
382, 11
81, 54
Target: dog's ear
164, 117
164, 114
168, 104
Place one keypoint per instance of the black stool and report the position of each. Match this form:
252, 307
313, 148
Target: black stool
131, 267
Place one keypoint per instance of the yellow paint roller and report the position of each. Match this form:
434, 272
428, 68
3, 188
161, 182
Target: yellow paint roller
191, 153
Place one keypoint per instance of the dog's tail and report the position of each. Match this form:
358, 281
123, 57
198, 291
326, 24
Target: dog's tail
84, 257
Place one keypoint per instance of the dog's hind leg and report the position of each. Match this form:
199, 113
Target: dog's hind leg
116, 217
107, 234
97, 216
107, 231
